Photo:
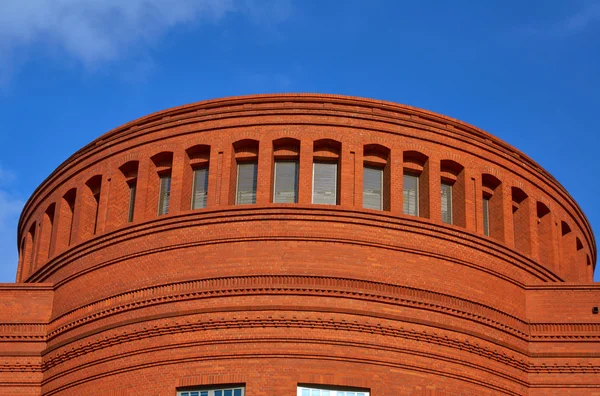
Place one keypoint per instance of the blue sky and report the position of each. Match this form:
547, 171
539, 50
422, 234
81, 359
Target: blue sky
70, 70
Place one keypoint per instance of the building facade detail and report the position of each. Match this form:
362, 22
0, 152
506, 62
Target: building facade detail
273, 244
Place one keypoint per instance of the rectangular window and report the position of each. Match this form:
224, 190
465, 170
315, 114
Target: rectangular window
373, 188
486, 216
324, 183
200, 188
285, 189
446, 203
246, 183
131, 209
411, 194
235, 391
330, 391
164, 194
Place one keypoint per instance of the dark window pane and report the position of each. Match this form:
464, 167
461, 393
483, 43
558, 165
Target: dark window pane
164, 194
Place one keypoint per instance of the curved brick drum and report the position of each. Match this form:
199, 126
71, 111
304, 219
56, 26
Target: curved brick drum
294, 244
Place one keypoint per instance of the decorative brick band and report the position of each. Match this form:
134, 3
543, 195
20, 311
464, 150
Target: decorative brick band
307, 285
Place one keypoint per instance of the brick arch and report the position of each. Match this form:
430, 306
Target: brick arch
123, 192
89, 207
158, 185
194, 190
46, 234
453, 175
66, 214
521, 215
493, 206
417, 168
376, 159
546, 238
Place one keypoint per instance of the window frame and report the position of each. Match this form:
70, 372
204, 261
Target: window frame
297, 181
326, 390
381, 185
335, 182
417, 177
211, 391
162, 196
485, 203
450, 203
193, 200
131, 206
237, 182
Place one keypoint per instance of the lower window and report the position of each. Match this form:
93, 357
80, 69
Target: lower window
330, 391
237, 391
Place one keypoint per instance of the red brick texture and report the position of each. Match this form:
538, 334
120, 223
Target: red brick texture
275, 295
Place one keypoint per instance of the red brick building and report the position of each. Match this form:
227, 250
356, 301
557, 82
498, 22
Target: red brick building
301, 244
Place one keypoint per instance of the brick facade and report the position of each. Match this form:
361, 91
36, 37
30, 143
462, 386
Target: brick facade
274, 295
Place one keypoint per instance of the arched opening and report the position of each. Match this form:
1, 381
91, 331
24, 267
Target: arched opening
46, 234
195, 177
90, 205
244, 171
492, 207
159, 184
326, 172
415, 193
66, 210
376, 177
520, 215
545, 238
453, 200
286, 155
29, 254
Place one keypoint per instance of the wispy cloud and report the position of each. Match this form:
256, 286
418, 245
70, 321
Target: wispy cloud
577, 22
94, 32
10, 208
582, 19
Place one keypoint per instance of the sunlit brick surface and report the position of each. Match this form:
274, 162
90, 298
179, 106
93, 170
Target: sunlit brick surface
114, 299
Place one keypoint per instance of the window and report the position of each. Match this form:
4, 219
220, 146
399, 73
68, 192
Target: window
234, 391
411, 194
285, 189
131, 207
330, 391
446, 203
200, 188
324, 183
372, 188
164, 194
246, 183
486, 216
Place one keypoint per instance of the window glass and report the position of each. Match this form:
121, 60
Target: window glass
239, 391
324, 183
246, 184
446, 203
130, 210
164, 194
200, 188
285, 189
331, 391
373, 188
411, 194
486, 216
